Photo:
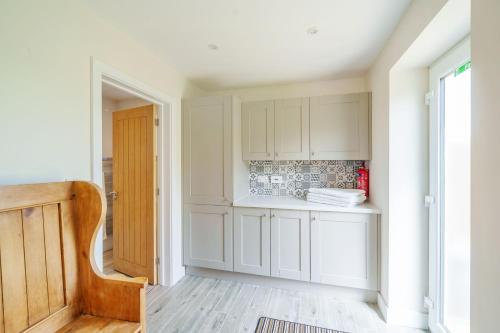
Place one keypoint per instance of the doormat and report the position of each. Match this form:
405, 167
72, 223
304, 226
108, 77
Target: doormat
270, 325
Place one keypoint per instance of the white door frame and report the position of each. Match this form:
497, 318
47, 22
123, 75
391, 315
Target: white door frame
445, 65
103, 73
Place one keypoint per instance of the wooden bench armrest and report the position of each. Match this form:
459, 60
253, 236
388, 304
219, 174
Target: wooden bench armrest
115, 297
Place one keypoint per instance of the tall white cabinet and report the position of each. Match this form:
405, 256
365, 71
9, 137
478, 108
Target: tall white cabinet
213, 175
208, 236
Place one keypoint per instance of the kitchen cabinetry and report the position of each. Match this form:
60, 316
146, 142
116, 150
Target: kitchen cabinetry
257, 128
291, 124
252, 241
333, 127
290, 248
340, 127
344, 249
208, 236
213, 172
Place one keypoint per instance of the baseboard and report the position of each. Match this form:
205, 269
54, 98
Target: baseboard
402, 317
368, 296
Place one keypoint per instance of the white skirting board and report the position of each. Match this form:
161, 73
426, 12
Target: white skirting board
368, 296
402, 317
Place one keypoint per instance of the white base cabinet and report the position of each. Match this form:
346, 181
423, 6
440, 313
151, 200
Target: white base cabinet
324, 247
290, 248
344, 249
208, 236
252, 241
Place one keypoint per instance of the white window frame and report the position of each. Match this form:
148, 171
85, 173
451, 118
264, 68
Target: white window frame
455, 57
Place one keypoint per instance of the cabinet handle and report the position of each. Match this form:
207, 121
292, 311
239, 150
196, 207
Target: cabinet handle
265, 215
313, 218
272, 215
268, 154
312, 153
276, 154
226, 213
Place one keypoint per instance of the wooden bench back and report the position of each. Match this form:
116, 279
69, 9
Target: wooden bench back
38, 255
47, 270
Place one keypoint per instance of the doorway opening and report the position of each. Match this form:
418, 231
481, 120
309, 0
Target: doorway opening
450, 185
129, 175
107, 81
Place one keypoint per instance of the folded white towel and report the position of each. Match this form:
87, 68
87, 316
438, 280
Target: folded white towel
331, 202
337, 192
356, 199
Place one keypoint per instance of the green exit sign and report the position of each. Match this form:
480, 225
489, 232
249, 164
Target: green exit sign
462, 68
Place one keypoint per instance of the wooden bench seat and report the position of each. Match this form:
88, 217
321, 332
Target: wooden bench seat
49, 281
86, 323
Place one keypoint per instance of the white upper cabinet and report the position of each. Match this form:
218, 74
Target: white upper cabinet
258, 130
344, 249
340, 127
290, 250
291, 123
252, 241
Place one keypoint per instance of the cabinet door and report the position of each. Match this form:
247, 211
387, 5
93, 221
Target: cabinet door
208, 236
290, 248
340, 127
291, 121
344, 249
257, 130
252, 237
207, 151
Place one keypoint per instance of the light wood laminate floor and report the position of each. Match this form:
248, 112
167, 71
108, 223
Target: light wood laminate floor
198, 304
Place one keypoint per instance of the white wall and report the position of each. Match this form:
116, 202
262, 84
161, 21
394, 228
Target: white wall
408, 184
485, 244
305, 89
45, 90
417, 17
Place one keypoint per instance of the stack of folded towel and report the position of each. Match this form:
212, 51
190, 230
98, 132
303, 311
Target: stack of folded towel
336, 196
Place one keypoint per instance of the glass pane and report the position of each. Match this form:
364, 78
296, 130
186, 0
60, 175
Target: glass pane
456, 116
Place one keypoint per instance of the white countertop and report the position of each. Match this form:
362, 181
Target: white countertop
278, 202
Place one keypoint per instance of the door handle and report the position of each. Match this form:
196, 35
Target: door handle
113, 195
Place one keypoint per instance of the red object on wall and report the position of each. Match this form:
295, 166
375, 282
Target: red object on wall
362, 180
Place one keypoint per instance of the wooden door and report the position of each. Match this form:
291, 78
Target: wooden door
339, 127
208, 236
257, 130
134, 182
290, 251
252, 241
207, 148
344, 250
291, 129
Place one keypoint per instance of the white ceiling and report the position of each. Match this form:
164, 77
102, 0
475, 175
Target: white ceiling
260, 41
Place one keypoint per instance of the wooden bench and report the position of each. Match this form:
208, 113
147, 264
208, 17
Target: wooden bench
49, 281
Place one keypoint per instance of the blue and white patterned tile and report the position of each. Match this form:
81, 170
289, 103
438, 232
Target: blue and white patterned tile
299, 176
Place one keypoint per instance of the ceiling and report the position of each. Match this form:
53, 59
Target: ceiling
259, 42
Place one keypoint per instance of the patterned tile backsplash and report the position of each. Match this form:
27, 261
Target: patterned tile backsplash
298, 176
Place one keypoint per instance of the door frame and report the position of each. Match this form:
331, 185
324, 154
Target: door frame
102, 73
456, 56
